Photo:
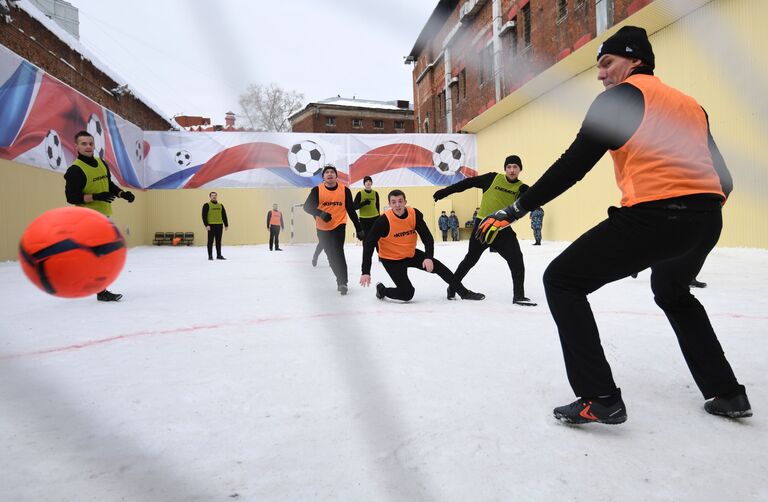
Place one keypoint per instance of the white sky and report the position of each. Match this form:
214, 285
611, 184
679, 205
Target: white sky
196, 57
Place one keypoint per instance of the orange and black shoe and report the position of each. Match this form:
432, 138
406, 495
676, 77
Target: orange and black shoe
589, 410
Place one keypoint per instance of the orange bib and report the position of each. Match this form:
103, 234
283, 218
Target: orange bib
400, 242
332, 202
668, 156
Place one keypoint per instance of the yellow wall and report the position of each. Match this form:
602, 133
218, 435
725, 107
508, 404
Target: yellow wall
26, 192
714, 54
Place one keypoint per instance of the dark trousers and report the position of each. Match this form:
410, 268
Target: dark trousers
445, 234
507, 246
274, 236
318, 250
674, 243
537, 234
367, 224
214, 234
398, 271
454, 234
332, 242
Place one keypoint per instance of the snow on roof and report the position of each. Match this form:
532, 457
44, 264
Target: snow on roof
78, 47
362, 103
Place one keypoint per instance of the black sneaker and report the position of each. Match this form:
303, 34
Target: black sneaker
522, 300
586, 410
451, 294
314, 261
698, 284
471, 295
278, 249
342, 288
210, 258
108, 296
220, 258
380, 291
732, 407
634, 276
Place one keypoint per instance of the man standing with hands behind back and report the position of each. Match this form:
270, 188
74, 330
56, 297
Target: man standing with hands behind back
214, 218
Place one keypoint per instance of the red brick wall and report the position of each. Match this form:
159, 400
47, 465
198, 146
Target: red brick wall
315, 122
46, 51
552, 39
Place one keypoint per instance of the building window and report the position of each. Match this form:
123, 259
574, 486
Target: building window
357, 123
330, 121
463, 84
562, 9
378, 124
527, 25
399, 124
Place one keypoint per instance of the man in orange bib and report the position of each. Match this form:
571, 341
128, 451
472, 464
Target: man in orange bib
274, 225
330, 203
674, 182
395, 233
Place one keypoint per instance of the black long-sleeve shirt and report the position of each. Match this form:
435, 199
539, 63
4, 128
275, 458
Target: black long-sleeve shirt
269, 219
313, 200
380, 229
612, 119
223, 215
75, 181
358, 203
483, 181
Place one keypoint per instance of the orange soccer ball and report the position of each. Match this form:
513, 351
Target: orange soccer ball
72, 252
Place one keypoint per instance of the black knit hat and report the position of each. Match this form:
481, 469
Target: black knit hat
629, 42
513, 159
330, 166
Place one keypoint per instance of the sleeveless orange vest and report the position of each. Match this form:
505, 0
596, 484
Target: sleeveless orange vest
400, 242
668, 156
275, 218
333, 202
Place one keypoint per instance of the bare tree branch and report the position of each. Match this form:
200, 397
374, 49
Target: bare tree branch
267, 108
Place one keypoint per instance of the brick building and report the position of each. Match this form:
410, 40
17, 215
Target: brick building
33, 36
194, 123
358, 116
472, 53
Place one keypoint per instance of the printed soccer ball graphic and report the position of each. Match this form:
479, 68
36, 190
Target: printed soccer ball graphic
96, 130
53, 150
306, 158
448, 158
183, 158
139, 150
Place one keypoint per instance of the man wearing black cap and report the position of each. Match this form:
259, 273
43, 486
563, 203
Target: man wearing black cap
674, 182
499, 191
330, 203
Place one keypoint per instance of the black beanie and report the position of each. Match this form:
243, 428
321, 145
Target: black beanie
629, 42
513, 159
329, 166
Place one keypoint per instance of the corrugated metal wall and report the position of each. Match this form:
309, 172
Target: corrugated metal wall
716, 54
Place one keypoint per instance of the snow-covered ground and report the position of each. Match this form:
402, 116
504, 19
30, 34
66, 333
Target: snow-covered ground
251, 379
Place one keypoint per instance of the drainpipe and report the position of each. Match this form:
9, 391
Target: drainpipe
496, 23
448, 99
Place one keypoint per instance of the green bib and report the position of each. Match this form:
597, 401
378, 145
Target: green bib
499, 195
368, 211
214, 214
96, 181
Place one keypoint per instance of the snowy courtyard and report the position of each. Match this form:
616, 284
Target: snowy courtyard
252, 379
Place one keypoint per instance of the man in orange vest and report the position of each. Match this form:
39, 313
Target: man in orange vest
395, 233
330, 203
674, 182
274, 224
